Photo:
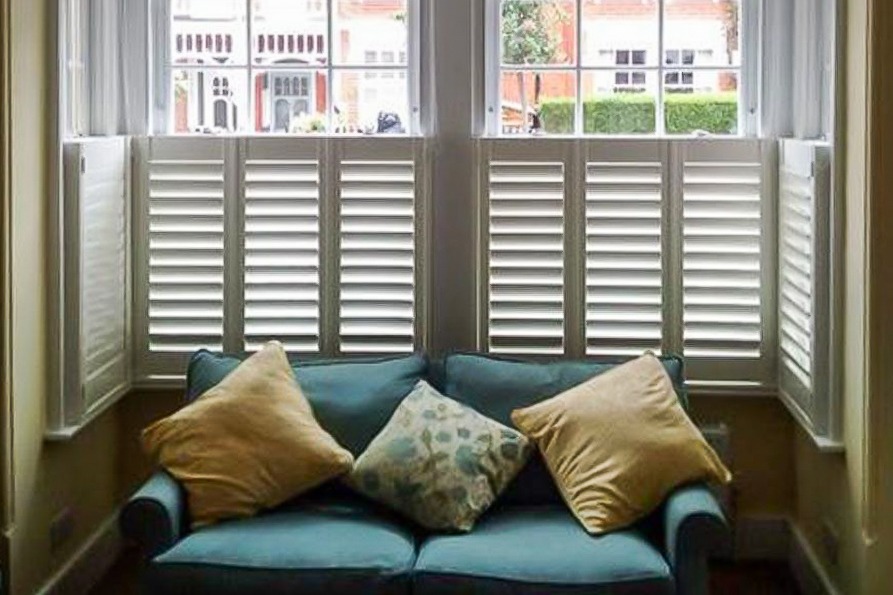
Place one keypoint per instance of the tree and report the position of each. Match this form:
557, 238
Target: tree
530, 35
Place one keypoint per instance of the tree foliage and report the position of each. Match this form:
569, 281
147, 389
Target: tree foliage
529, 31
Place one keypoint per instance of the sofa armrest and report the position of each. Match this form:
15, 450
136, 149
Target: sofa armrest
695, 528
155, 517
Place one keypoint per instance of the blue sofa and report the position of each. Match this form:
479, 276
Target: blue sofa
333, 542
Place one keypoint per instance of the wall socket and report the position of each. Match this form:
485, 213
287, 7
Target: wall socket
61, 529
830, 542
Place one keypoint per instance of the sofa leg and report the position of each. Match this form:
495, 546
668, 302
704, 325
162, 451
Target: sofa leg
693, 577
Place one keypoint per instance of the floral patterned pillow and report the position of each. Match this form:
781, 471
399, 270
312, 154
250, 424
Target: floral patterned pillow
439, 462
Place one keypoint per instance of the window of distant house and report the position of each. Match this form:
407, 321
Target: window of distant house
291, 66
616, 66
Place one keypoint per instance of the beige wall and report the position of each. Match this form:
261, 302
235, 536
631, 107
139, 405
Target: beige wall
854, 493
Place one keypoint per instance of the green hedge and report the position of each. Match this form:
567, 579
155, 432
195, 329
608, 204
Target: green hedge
636, 114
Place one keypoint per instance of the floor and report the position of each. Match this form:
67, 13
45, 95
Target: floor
751, 578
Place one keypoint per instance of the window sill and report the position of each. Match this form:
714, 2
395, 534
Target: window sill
297, 137
618, 137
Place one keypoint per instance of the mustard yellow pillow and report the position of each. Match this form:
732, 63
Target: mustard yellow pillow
248, 444
618, 444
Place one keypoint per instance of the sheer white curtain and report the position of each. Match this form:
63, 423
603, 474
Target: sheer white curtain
798, 67
119, 73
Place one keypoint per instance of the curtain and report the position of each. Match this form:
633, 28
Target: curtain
119, 73
799, 45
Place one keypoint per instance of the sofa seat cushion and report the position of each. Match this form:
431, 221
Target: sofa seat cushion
540, 550
310, 547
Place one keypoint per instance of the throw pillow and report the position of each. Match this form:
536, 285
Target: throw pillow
618, 444
439, 462
248, 444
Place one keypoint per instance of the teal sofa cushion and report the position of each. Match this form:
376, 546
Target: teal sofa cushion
352, 399
496, 386
540, 550
320, 547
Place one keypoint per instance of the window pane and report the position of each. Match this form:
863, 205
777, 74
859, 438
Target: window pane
538, 32
209, 101
620, 32
208, 32
703, 32
538, 102
362, 26
612, 108
290, 101
709, 103
289, 32
371, 102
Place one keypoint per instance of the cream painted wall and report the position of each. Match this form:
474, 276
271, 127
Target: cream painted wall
45, 477
831, 490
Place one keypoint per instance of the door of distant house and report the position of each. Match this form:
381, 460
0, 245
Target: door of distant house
292, 97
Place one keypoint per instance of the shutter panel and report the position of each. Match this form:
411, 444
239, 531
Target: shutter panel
185, 246
378, 249
282, 245
103, 276
723, 277
526, 257
624, 275
90, 321
804, 276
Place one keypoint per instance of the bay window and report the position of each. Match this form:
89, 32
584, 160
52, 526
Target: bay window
624, 155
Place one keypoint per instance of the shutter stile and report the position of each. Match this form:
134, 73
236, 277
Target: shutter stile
623, 258
377, 256
186, 260
526, 257
282, 253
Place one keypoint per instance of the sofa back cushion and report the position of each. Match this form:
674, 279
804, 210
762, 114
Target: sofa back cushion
496, 386
351, 399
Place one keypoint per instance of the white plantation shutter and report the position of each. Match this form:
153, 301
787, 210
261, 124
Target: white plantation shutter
379, 187
724, 277
93, 339
624, 255
282, 184
524, 203
181, 223
804, 302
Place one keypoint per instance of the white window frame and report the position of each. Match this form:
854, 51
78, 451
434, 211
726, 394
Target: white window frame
750, 23
412, 69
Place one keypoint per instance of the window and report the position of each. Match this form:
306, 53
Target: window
615, 66
282, 73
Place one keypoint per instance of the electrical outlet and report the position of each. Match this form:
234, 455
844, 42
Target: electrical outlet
61, 529
830, 542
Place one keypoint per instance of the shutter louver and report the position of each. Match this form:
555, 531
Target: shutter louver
796, 260
623, 258
722, 270
377, 256
526, 257
282, 254
186, 258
